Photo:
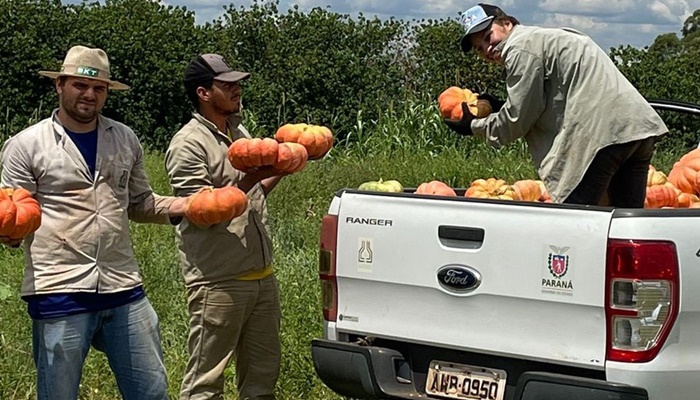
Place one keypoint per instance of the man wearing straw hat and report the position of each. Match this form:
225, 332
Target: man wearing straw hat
82, 283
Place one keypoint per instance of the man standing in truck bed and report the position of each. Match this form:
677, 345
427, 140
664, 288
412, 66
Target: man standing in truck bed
589, 131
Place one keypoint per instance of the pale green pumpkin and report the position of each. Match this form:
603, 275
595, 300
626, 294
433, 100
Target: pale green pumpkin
382, 186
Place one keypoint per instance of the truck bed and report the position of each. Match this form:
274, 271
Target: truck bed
511, 286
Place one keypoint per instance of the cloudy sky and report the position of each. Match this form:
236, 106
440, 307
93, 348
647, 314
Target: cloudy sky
609, 22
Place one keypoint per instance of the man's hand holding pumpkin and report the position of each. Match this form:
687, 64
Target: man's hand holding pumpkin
462, 126
496, 104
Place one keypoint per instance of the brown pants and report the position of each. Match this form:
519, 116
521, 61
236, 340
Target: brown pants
239, 319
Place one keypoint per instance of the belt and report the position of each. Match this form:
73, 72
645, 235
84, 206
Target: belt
256, 275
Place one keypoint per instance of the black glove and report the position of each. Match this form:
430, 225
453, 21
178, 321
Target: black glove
496, 104
462, 126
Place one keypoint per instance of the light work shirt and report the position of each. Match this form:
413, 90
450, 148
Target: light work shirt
198, 157
83, 243
568, 100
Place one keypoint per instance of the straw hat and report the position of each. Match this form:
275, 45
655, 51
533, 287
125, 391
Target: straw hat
84, 62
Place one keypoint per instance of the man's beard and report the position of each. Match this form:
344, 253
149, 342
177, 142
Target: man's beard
234, 109
75, 113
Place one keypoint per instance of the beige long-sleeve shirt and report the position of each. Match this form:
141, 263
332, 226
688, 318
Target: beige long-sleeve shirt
568, 100
83, 244
198, 157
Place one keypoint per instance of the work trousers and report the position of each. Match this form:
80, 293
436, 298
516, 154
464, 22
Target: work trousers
239, 320
617, 176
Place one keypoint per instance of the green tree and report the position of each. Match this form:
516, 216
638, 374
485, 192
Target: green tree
28, 48
149, 45
438, 61
319, 67
668, 69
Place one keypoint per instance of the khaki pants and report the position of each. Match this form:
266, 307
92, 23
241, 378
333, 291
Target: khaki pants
239, 319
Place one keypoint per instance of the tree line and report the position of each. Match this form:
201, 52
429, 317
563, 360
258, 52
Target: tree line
317, 66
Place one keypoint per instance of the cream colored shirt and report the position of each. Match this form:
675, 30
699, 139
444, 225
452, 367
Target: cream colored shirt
83, 244
198, 157
568, 100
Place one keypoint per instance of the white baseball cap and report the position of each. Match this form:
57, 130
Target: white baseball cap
476, 19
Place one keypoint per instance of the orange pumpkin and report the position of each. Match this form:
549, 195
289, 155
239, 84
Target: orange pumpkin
291, 157
246, 153
289, 132
451, 99
477, 192
435, 187
684, 178
211, 206
18, 204
527, 190
686, 199
285, 157
545, 197
315, 140
689, 156
490, 188
486, 191
692, 162
318, 140
505, 192
659, 196
684, 174
8, 214
491, 185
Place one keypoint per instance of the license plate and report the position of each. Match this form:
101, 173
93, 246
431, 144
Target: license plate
459, 381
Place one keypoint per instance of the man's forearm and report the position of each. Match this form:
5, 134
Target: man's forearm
267, 176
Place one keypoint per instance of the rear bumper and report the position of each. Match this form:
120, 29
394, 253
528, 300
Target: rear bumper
547, 386
370, 372
364, 372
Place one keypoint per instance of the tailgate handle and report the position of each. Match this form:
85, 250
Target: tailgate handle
461, 237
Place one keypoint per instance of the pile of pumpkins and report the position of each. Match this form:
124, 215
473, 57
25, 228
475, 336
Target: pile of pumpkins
491, 188
293, 146
680, 188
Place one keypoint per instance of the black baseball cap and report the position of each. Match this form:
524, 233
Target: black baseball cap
212, 66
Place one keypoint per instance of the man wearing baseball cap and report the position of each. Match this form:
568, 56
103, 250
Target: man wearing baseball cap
82, 282
233, 299
591, 134
479, 18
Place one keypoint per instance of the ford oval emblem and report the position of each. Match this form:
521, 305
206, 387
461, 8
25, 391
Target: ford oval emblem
458, 278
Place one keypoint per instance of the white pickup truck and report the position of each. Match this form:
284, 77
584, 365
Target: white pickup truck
459, 298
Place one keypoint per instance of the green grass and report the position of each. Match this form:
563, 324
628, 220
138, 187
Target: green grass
408, 144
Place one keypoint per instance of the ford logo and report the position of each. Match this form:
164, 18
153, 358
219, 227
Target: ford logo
458, 278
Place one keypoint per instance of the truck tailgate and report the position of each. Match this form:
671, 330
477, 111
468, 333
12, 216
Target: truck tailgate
409, 264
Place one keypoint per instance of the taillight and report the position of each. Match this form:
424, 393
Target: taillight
641, 301
326, 267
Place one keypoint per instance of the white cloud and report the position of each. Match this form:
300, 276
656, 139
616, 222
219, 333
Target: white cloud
585, 7
609, 22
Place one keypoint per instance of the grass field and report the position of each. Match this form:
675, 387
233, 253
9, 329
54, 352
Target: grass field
409, 144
